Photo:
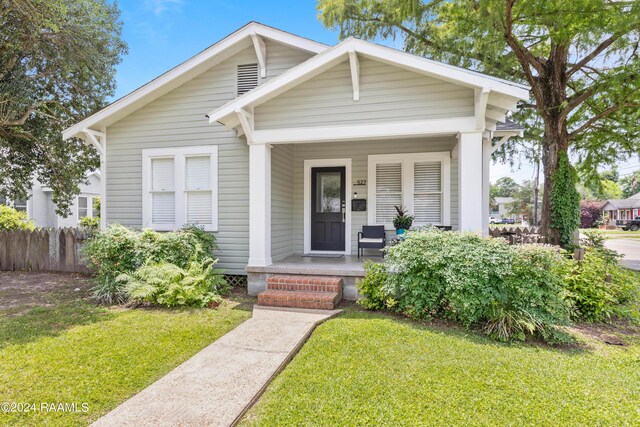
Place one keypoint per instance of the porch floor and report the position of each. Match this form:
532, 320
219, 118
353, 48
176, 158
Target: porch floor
346, 265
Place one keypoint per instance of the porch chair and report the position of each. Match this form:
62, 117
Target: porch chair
371, 237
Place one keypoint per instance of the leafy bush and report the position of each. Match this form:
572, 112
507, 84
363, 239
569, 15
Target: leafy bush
166, 284
508, 291
590, 213
371, 286
11, 219
599, 287
90, 224
119, 250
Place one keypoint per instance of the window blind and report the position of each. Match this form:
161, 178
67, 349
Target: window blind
198, 188
427, 192
388, 191
162, 186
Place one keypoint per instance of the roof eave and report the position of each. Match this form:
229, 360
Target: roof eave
148, 89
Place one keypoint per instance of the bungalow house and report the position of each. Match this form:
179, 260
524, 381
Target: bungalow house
285, 147
502, 205
622, 209
41, 209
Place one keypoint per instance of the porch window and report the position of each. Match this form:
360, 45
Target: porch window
417, 181
180, 187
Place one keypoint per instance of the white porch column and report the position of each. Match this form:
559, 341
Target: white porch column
470, 179
486, 183
103, 182
259, 205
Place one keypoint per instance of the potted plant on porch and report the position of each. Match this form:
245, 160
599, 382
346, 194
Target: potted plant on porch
402, 222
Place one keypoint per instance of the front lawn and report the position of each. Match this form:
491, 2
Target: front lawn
617, 231
68, 350
365, 368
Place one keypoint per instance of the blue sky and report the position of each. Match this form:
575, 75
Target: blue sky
163, 33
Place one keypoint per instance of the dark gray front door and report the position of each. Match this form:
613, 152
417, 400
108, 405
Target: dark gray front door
327, 209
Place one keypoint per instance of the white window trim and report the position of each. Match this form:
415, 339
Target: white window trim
179, 154
320, 163
408, 160
89, 207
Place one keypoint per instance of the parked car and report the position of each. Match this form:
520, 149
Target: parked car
508, 221
494, 220
632, 224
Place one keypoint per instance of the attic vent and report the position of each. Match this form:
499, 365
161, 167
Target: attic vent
247, 78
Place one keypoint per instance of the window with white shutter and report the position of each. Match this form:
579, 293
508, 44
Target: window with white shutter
180, 187
419, 182
247, 78
388, 191
427, 192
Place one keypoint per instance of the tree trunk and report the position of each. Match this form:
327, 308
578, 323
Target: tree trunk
555, 141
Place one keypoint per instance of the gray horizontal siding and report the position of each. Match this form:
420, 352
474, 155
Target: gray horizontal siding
177, 119
387, 94
281, 201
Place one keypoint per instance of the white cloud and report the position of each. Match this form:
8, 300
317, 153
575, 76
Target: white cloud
158, 7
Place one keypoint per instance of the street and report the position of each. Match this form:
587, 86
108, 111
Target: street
630, 248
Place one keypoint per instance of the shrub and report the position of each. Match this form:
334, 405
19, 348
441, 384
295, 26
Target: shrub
599, 287
90, 224
166, 284
119, 250
11, 219
590, 213
371, 286
508, 291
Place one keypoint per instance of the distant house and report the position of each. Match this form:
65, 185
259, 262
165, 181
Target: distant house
41, 209
503, 207
622, 209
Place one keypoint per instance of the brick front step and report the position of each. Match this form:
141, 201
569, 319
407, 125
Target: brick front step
302, 292
299, 299
305, 283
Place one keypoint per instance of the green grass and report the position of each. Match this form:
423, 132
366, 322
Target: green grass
74, 351
363, 368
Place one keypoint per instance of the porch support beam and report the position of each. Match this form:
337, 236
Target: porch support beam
355, 74
486, 183
259, 205
482, 97
416, 128
246, 121
261, 53
99, 140
499, 144
470, 180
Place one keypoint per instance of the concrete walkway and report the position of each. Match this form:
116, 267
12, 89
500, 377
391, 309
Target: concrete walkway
630, 248
216, 386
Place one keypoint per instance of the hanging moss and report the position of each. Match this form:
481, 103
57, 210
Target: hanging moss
565, 200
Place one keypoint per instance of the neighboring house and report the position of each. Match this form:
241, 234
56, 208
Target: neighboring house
265, 138
41, 209
622, 209
503, 207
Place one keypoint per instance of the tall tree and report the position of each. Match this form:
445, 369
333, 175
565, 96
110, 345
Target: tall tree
504, 187
579, 57
630, 184
57, 65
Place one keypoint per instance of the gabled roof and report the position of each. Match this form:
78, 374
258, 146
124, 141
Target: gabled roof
624, 203
225, 48
503, 200
340, 52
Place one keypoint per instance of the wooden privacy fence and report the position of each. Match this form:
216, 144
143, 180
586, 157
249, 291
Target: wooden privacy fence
47, 249
517, 235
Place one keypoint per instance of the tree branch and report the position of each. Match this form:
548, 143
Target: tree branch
597, 51
589, 123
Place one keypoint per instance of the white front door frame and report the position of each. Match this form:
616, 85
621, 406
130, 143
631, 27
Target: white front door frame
319, 163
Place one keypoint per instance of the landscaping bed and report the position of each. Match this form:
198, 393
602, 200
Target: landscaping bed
58, 346
365, 368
